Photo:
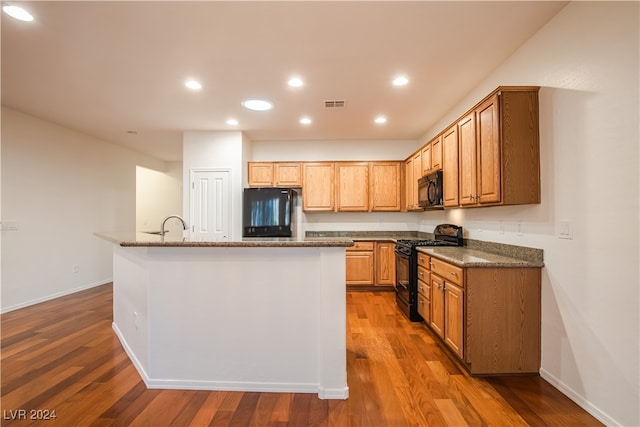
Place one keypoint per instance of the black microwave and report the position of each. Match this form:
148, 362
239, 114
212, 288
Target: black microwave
430, 191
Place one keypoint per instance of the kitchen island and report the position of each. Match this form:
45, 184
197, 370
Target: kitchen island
252, 315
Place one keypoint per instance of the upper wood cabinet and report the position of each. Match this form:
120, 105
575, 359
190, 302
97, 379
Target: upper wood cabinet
318, 189
413, 172
288, 174
384, 182
432, 156
450, 166
436, 153
499, 147
275, 174
260, 174
468, 159
352, 186
426, 159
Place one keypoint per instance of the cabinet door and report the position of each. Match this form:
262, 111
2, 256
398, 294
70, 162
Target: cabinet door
287, 175
318, 190
468, 160
352, 186
489, 173
410, 185
385, 261
450, 166
437, 305
260, 174
436, 153
426, 159
454, 318
360, 268
384, 192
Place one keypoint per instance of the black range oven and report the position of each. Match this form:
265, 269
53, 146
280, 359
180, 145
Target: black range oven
407, 266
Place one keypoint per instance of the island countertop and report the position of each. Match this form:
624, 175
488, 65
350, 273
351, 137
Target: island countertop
141, 239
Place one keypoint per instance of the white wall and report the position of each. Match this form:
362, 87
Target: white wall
216, 150
60, 186
586, 60
158, 195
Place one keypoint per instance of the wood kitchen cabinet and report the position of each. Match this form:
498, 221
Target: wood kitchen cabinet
447, 291
260, 174
413, 172
352, 186
488, 317
450, 166
436, 153
385, 263
432, 156
424, 287
275, 174
360, 263
467, 160
319, 183
384, 192
499, 150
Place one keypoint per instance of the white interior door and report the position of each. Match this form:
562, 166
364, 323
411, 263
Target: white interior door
210, 205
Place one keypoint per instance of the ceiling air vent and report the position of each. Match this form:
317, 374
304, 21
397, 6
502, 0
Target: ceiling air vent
334, 104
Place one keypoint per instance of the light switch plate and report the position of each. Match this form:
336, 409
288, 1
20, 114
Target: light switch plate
565, 230
10, 225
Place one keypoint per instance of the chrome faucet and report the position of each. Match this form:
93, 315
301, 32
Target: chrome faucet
184, 224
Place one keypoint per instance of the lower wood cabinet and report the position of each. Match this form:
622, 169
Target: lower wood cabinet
361, 263
385, 263
371, 263
424, 287
488, 317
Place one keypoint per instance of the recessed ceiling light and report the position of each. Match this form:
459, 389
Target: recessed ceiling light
400, 81
18, 13
232, 122
256, 104
380, 120
193, 84
305, 121
295, 82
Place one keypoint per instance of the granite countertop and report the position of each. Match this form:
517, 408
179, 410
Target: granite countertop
474, 253
140, 239
465, 258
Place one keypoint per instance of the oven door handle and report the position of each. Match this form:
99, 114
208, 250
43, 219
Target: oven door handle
403, 283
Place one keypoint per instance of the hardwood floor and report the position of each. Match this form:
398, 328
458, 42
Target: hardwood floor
63, 356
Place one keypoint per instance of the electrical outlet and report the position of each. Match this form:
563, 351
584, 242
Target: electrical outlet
75, 268
519, 228
9, 225
500, 227
565, 230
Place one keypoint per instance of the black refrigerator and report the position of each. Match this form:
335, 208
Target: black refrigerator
268, 212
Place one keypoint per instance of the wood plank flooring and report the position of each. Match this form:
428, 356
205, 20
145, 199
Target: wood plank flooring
63, 356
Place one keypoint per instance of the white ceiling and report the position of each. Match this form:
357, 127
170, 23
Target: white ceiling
105, 68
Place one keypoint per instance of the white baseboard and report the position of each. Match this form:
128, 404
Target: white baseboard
262, 387
578, 399
54, 296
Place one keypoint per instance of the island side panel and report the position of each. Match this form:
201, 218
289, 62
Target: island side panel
333, 321
252, 319
130, 308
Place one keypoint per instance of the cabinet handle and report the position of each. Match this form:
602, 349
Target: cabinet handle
454, 273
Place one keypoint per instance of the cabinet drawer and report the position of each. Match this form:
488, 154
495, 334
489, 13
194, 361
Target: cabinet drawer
423, 260
424, 275
424, 308
447, 271
361, 246
424, 288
